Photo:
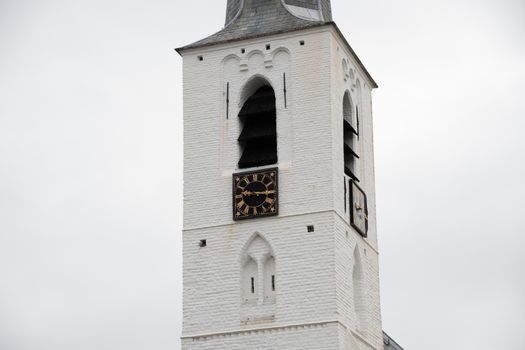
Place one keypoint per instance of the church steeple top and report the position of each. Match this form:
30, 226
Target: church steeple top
253, 18
319, 10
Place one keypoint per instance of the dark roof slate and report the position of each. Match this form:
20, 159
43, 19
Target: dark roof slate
257, 18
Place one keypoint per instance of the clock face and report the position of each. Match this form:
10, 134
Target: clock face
255, 194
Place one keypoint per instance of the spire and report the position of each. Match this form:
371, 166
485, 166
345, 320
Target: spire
254, 18
310, 9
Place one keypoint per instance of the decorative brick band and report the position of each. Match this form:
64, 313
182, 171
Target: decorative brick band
269, 330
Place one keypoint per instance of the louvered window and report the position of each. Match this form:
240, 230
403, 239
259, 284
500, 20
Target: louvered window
350, 126
258, 138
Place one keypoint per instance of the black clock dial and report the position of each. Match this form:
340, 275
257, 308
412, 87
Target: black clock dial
255, 194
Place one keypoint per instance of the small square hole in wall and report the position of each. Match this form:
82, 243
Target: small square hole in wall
243, 50
268, 47
200, 58
310, 228
202, 243
301, 42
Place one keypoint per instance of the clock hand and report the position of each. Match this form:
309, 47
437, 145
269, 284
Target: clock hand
268, 192
257, 193
248, 193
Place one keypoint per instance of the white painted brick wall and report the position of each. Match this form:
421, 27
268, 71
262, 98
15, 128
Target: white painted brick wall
313, 307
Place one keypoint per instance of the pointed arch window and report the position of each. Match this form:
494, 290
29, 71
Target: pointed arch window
350, 137
258, 273
258, 138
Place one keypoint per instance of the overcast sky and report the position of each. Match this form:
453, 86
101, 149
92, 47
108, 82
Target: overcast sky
91, 159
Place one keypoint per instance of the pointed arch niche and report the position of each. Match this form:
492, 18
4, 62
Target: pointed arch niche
358, 291
258, 281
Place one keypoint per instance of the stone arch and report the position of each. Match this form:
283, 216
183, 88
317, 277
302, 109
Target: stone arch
280, 50
251, 85
231, 56
344, 67
255, 59
230, 65
351, 73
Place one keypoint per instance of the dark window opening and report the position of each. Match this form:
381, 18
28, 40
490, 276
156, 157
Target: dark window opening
243, 50
202, 243
273, 283
311, 228
268, 47
253, 285
258, 137
301, 42
200, 58
350, 134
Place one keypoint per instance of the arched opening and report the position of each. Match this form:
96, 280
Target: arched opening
350, 134
258, 138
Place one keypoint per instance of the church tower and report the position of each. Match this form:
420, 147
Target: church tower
280, 243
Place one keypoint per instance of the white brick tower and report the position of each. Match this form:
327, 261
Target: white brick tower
280, 242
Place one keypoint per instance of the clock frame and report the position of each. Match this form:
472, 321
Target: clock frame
358, 209
255, 194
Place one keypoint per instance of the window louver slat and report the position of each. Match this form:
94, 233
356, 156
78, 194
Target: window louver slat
349, 173
350, 128
349, 150
255, 131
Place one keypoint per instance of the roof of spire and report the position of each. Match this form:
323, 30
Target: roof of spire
246, 19
253, 18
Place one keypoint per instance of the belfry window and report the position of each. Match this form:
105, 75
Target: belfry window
258, 138
350, 133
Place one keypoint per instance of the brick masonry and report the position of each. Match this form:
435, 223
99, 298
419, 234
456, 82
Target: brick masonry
315, 306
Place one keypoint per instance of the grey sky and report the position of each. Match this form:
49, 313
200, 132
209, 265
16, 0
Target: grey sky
90, 169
